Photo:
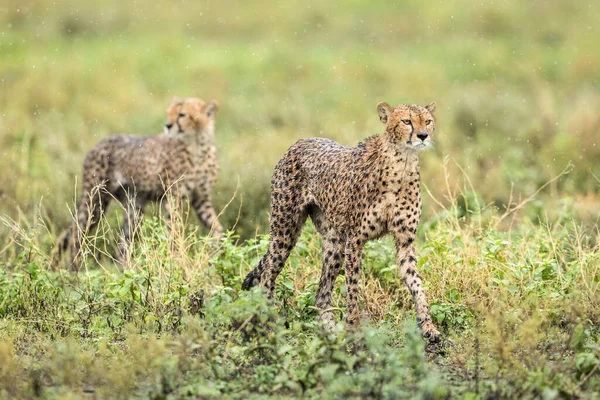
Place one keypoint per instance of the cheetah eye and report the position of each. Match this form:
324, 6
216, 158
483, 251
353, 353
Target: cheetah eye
181, 115
406, 122
429, 121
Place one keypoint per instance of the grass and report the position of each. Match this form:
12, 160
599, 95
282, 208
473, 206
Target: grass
513, 288
518, 309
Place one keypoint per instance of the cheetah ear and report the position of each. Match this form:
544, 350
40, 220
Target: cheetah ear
211, 108
431, 107
384, 110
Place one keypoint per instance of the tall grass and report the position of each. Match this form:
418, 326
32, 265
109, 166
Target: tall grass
518, 308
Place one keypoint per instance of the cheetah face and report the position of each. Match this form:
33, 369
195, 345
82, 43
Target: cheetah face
190, 116
410, 125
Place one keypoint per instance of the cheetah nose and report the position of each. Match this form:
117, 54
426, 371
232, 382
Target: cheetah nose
422, 135
168, 126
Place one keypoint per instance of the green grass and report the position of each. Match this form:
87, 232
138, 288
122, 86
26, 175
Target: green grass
518, 91
519, 311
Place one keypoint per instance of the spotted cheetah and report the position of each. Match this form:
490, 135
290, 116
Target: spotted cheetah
352, 195
137, 169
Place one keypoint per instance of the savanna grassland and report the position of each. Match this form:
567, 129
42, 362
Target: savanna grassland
508, 247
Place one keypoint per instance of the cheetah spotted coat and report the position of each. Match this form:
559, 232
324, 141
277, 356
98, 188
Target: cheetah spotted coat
137, 169
352, 195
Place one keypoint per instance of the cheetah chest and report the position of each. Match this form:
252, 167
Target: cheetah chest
378, 215
396, 205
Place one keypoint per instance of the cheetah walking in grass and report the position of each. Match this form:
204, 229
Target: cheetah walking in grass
136, 169
352, 195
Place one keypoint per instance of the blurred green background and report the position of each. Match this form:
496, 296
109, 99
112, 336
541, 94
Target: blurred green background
517, 86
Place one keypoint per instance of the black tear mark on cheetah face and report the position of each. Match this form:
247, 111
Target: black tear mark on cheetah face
410, 124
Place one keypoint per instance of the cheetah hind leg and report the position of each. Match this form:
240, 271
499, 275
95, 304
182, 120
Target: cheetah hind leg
284, 235
333, 257
283, 239
254, 277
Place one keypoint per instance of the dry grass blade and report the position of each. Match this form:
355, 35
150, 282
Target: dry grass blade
512, 210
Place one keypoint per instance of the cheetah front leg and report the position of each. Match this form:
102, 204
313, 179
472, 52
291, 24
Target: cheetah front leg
206, 214
353, 252
407, 263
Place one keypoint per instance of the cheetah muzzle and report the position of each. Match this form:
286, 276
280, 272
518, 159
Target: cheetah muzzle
352, 195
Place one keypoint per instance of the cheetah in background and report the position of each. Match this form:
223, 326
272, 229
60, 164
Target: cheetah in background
352, 195
137, 169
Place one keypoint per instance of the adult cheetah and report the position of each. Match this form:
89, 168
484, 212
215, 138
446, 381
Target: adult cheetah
352, 195
137, 169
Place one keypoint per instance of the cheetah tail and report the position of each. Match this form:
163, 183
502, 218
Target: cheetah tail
252, 279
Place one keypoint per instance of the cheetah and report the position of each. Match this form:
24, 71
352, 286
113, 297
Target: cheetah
352, 195
137, 169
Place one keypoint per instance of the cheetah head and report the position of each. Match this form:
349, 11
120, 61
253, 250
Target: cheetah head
191, 116
411, 125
